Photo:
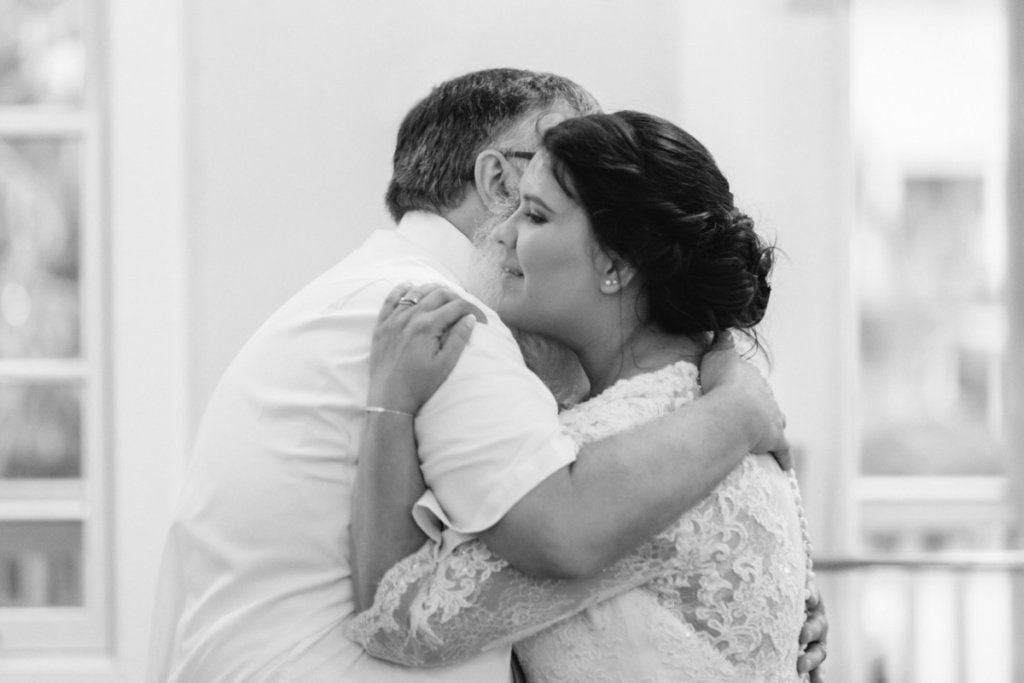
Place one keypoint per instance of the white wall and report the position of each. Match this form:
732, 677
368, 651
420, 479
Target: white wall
294, 107
764, 86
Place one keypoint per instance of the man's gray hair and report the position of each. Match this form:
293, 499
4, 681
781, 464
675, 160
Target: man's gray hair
441, 136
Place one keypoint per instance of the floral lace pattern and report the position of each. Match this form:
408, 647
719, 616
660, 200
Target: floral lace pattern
718, 596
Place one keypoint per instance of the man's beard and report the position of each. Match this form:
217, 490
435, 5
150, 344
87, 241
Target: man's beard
553, 362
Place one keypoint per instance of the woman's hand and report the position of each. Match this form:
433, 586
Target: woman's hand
420, 334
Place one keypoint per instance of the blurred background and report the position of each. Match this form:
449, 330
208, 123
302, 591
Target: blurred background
171, 171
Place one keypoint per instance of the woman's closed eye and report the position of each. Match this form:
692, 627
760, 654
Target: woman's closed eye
535, 218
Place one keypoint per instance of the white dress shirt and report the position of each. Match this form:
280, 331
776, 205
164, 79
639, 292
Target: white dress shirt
256, 580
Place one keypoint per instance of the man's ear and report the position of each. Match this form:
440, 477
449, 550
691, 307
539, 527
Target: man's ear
615, 272
493, 176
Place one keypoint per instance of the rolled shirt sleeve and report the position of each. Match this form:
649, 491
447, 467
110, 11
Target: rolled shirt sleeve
487, 437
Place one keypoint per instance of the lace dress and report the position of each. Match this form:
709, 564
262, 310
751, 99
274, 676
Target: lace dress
718, 596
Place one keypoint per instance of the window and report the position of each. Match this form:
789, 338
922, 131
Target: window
871, 135
930, 243
53, 462
929, 101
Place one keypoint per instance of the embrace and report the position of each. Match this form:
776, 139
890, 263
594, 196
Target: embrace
390, 485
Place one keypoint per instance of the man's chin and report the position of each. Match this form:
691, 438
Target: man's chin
485, 275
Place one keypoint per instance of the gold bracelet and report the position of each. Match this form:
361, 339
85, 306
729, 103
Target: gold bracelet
378, 409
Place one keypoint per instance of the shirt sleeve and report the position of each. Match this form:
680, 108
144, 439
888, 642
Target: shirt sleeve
487, 437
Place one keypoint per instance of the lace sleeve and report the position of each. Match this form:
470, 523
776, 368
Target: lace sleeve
434, 612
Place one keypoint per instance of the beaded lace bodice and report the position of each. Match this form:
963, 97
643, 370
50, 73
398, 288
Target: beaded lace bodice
718, 596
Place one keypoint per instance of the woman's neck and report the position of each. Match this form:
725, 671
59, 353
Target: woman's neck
634, 353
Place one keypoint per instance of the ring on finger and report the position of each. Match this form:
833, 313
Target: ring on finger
409, 299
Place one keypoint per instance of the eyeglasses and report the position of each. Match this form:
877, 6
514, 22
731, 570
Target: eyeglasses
508, 154
511, 153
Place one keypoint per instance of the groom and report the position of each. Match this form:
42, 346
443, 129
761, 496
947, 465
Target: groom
257, 578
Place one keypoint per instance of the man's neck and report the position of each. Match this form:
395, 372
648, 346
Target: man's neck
556, 365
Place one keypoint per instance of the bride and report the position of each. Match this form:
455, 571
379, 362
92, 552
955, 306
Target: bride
626, 247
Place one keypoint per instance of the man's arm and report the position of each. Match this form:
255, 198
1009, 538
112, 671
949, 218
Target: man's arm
627, 487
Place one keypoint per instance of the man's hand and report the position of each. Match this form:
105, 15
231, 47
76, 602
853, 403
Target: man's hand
723, 370
814, 635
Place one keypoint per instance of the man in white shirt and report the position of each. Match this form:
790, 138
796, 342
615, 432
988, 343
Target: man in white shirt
257, 583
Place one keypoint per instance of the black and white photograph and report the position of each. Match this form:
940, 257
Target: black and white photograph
512, 341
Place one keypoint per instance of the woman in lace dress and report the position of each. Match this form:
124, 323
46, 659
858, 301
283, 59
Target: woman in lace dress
627, 248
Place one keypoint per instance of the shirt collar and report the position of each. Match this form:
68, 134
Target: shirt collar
442, 240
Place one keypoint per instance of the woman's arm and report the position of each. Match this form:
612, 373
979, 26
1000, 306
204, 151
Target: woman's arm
388, 482
402, 377
433, 610
430, 609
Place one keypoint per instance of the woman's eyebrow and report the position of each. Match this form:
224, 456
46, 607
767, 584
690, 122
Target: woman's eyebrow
538, 201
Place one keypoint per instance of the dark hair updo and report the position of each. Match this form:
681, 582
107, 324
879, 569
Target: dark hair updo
656, 198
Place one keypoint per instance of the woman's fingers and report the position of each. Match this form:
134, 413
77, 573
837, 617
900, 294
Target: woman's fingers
428, 300
450, 313
391, 301
405, 296
429, 310
454, 342
435, 296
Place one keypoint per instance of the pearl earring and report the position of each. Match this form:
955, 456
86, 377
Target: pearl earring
610, 282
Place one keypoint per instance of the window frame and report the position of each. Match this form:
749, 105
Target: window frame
141, 49
46, 629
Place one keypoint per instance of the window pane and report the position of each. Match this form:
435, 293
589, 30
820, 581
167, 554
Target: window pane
929, 249
40, 564
42, 60
40, 431
930, 343
39, 216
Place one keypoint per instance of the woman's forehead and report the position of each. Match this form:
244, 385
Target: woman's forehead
539, 179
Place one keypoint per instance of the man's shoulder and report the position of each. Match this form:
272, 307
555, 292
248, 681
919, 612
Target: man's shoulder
369, 271
350, 293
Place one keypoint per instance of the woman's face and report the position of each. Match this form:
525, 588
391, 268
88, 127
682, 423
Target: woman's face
550, 278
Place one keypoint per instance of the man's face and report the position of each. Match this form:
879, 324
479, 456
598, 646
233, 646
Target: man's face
485, 278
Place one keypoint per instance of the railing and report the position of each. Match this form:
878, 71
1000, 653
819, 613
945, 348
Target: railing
956, 618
